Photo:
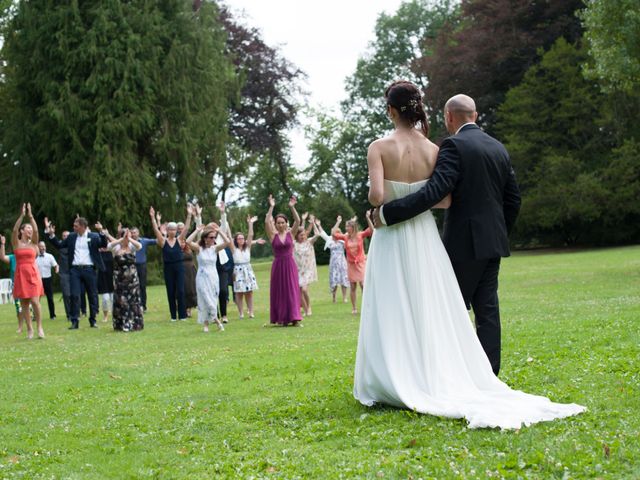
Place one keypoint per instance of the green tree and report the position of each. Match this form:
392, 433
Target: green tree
491, 46
576, 182
265, 110
111, 106
339, 145
612, 28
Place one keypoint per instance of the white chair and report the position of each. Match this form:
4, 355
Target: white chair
6, 290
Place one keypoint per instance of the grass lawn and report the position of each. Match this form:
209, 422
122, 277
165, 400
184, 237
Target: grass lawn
253, 402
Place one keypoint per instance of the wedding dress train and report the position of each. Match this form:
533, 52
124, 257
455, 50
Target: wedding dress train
417, 347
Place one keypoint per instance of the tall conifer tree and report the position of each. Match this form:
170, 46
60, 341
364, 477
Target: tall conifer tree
110, 106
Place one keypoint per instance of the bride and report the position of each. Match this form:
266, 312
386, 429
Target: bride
417, 347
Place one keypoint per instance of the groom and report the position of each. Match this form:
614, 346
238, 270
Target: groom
476, 170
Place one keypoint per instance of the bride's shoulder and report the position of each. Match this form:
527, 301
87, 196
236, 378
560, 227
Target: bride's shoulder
381, 142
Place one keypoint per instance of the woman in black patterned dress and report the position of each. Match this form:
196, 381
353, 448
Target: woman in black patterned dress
127, 308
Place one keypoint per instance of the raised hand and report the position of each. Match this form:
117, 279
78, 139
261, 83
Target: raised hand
312, 218
305, 215
152, 212
158, 217
292, 201
318, 222
198, 210
98, 226
47, 225
221, 206
251, 219
23, 210
368, 214
271, 200
339, 219
29, 209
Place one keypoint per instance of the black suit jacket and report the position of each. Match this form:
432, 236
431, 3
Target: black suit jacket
96, 241
475, 168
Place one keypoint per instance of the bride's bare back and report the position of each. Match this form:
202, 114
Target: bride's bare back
404, 156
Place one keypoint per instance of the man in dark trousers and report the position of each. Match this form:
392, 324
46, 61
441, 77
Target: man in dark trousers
475, 168
84, 259
46, 262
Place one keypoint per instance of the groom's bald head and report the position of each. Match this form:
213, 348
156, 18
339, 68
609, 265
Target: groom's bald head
458, 110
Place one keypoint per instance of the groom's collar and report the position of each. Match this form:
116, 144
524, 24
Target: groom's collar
462, 126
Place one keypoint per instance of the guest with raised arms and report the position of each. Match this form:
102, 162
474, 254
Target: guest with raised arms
173, 265
224, 264
84, 259
207, 281
285, 292
141, 262
127, 306
244, 280
337, 262
65, 280
190, 295
305, 257
356, 258
27, 285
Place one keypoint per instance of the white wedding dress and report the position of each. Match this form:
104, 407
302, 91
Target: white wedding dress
417, 347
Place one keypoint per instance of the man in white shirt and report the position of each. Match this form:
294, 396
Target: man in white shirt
46, 262
84, 259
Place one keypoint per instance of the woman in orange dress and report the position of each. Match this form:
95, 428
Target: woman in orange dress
27, 284
356, 259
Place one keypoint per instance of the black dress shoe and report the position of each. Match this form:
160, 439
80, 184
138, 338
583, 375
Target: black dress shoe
73, 327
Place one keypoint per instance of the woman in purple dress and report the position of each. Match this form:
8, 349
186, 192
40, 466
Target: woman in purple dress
285, 292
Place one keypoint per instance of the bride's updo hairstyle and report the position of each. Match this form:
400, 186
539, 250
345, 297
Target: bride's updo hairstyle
406, 98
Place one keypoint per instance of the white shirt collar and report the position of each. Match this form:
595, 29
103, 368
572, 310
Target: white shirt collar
462, 126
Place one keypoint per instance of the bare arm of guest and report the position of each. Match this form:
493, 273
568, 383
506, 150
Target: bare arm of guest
296, 218
16, 228
35, 238
156, 230
269, 226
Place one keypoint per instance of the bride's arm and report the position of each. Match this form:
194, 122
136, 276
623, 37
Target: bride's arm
444, 203
376, 175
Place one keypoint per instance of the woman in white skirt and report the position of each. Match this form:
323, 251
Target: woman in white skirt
337, 262
207, 282
244, 280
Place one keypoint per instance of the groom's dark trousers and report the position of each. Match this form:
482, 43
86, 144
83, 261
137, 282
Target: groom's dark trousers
475, 168
478, 280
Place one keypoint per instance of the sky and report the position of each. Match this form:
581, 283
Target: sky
322, 38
